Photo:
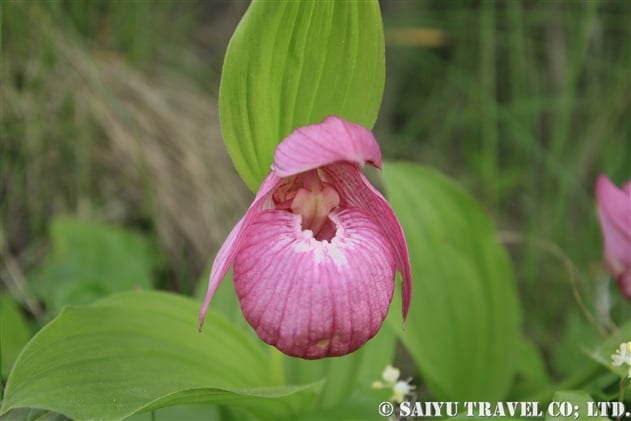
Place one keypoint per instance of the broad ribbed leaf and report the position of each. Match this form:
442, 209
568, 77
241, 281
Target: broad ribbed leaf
292, 63
463, 325
14, 333
89, 261
138, 351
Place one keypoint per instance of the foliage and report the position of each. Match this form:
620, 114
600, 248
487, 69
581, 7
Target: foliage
310, 61
463, 284
88, 261
139, 351
14, 332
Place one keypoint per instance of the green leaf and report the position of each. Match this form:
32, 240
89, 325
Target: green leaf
292, 63
90, 260
574, 335
362, 405
139, 351
463, 325
14, 332
602, 353
531, 370
192, 412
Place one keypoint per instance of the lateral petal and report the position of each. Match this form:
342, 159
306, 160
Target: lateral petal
332, 140
230, 247
310, 298
355, 190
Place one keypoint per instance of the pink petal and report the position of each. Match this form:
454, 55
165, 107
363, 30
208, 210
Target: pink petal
230, 247
332, 140
309, 298
357, 191
614, 214
614, 202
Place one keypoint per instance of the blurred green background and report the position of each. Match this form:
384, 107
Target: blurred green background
114, 175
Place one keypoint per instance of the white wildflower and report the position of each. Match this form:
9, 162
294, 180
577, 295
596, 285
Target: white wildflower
390, 375
623, 356
400, 388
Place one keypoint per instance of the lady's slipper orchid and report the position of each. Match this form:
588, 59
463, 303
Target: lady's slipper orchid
316, 253
614, 214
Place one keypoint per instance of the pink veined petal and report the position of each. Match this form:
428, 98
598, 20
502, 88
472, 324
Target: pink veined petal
230, 247
614, 214
317, 145
358, 192
309, 298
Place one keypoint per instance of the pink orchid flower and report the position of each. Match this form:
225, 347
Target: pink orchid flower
614, 214
316, 253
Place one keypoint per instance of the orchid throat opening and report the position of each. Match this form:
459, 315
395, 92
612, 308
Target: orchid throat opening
310, 196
